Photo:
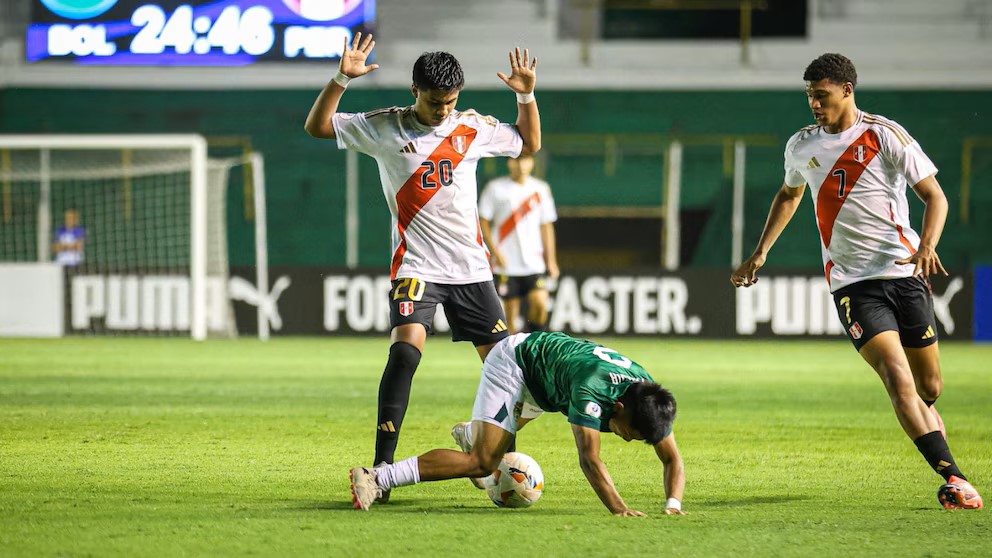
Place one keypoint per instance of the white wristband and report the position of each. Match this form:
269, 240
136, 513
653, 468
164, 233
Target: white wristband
673, 503
341, 79
525, 98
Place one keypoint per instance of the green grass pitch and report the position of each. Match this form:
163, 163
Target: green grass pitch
143, 447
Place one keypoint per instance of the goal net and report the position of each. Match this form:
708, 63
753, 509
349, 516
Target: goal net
138, 223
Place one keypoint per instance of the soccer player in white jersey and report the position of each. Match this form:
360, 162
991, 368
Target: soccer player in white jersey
517, 215
427, 155
858, 166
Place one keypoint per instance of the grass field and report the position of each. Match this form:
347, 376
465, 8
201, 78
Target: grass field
168, 447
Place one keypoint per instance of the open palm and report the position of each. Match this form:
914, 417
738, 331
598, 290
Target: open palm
523, 73
354, 56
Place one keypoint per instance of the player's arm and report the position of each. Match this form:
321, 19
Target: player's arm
783, 208
587, 442
523, 76
934, 216
550, 249
319, 123
487, 235
668, 452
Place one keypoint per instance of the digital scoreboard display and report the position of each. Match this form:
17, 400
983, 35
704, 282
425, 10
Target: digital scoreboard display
193, 33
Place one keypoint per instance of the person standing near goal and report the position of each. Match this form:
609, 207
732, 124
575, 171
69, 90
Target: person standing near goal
427, 155
858, 166
70, 240
517, 215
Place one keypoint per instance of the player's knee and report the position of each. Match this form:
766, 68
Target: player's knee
485, 465
404, 355
930, 388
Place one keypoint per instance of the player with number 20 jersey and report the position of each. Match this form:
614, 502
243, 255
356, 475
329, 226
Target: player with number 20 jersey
428, 178
427, 155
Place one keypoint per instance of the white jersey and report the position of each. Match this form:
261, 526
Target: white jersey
517, 212
428, 178
858, 181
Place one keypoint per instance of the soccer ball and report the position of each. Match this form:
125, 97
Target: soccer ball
517, 483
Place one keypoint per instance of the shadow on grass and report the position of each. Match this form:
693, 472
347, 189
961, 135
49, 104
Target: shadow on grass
421, 506
752, 501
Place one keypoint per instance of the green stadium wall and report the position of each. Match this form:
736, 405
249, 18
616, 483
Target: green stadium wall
305, 176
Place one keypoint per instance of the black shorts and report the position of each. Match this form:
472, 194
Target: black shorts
510, 286
867, 308
474, 311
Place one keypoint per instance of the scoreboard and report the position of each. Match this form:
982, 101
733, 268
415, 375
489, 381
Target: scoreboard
193, 32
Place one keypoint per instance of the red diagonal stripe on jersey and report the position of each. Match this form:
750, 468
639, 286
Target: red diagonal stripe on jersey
411, 197
518, 214
902, 238
828, 203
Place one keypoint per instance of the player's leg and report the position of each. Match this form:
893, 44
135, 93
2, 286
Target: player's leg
871, 313
411, 313
918, 335
368, 485
884, 353
918, 332
537, 305
512, 308
925, 364
500, 388
488, 447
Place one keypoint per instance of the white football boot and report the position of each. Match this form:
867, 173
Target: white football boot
364, 489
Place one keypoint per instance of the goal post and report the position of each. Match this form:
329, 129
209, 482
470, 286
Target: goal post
119, 176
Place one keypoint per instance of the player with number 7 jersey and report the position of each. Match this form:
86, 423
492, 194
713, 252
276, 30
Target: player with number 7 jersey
427, 155
858, 167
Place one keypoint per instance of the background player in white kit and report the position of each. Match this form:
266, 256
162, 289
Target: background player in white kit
858, 166
517, 214
427, 155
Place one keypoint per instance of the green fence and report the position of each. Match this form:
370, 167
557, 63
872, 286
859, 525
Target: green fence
305, 177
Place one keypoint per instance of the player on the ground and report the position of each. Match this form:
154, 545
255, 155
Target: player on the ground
858, 166
597, 388
427, 155
517, 214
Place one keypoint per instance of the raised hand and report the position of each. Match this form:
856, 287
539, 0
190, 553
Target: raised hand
354, 56
522, 72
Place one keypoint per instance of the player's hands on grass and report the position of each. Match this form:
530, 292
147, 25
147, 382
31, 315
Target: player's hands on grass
926, 261
746, 274
629, 513
354, 56
523, 73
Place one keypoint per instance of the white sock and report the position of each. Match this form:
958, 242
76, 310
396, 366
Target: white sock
404, 473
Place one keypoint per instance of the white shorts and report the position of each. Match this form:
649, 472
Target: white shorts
503, 397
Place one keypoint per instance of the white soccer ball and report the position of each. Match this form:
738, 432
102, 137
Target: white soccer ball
517, 483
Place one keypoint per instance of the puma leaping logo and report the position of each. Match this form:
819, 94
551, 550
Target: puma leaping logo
942, 304
267, 303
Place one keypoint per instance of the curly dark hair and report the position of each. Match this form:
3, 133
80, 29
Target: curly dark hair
651, 408
835, 67
438, 70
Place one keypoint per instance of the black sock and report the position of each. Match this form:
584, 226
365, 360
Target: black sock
929, 402
531, 327
394, 396
934, 448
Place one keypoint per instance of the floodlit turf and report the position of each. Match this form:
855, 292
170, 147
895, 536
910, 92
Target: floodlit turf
135, 447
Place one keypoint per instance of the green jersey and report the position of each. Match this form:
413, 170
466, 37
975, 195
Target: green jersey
576, 377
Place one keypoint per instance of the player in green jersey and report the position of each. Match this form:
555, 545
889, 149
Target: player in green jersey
597, 388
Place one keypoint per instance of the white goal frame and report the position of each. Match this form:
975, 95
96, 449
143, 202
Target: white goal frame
197, 146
